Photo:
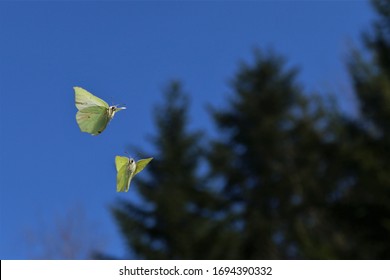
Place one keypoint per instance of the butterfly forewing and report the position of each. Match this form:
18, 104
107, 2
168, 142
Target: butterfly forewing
85, 99
120, 161
141, 164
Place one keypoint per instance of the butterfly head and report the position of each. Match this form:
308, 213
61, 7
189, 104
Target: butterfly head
113, 109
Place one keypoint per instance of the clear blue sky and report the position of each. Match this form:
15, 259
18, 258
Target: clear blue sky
126, 52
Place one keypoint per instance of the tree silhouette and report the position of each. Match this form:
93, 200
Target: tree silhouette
270, 160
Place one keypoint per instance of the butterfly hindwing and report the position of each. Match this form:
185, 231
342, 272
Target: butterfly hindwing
92, 119
123, 179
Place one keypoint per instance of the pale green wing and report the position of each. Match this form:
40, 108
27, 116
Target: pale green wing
92, 119
141, 165
120, 162
123, 179
85, 99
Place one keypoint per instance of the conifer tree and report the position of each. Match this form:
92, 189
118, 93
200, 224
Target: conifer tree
269, 160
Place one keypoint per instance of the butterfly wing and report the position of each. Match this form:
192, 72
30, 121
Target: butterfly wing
85, 99
120, 162
93, 119
92, 116
141, 164
123, 179
126, 171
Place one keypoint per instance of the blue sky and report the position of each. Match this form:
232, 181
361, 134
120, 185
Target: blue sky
126, 52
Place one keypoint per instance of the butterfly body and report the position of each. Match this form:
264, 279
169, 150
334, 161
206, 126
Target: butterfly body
131, 166
94, 113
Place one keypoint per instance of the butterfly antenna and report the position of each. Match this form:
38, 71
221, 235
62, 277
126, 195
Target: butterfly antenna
121, 106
